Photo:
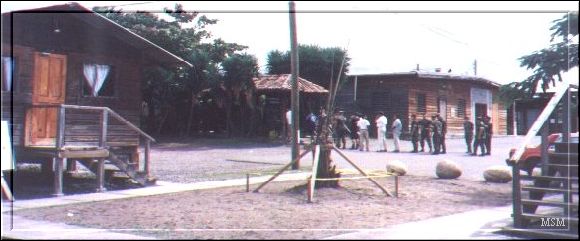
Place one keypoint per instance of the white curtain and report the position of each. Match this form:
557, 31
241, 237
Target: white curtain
96, 74
8, 66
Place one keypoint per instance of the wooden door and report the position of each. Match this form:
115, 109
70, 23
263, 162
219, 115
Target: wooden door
48, 88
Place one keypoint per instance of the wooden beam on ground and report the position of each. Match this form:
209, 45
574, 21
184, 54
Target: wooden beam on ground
283, 169
362, 172
312, 182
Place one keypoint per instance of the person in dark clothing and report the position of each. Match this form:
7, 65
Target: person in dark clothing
442, 145
468, 133
425, 134
437, 128
340, 129
489, 133
414, 133
479, 137
354, 137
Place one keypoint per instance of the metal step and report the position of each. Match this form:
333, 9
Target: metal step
572, 220
548, 203
553, 190
559, 179
539, 234
560, 165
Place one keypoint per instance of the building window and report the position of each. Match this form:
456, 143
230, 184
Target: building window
8, 73
421, 103
460, 112
99, 80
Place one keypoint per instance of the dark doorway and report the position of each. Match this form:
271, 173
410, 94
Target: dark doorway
480, 110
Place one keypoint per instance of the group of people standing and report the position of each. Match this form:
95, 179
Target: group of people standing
358, 129
483, 130
433, 132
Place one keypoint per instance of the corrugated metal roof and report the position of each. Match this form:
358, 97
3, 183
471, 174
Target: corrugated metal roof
98, 21
282, 83
435, 75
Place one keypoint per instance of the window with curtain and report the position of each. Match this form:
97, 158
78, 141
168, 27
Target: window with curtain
99, 80
8, 67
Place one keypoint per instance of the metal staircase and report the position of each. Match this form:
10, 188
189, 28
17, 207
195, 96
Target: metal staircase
546, 205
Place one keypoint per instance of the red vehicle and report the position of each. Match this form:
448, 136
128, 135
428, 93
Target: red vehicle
532, 155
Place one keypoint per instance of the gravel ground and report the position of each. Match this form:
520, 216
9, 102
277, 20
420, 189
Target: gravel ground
219, 159
280, 210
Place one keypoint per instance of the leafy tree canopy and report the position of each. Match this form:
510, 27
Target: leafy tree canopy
316, 64
550, 62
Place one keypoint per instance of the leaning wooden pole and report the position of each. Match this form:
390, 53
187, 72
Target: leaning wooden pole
283, 169
294, 79
362, 172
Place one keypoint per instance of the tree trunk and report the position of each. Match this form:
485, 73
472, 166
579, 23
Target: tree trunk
326, 168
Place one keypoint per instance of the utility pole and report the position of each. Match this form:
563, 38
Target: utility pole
294, 80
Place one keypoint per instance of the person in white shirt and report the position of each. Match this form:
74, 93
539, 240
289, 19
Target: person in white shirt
382, 131
363, 126
289, 125
397, 128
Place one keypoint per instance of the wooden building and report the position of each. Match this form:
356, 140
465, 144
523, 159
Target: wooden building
71, 89
417, 92
273, 93
528, 110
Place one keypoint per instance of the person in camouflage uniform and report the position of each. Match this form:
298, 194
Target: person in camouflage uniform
414, 133
425, 133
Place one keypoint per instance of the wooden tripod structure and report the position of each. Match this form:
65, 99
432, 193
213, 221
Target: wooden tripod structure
312, 180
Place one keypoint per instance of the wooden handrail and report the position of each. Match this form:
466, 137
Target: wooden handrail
112, 113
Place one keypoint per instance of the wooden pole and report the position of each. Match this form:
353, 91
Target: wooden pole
294, 79
101, 175
282, 170
362, 172
312, 182
58, 162
104, 124
60, 128
396, 185
247, 182
147, 157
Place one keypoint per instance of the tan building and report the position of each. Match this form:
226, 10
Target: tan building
416, 92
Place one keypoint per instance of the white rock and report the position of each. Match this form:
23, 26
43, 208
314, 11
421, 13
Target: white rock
397, 167
501, 174
447, 169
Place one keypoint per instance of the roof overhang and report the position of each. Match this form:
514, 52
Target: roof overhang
149, 49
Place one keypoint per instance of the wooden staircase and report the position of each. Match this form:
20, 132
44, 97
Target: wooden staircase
121, 161
100, 138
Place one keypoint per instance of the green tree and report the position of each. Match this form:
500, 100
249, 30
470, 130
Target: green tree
239, 70
550, 62
168, 89
316, 64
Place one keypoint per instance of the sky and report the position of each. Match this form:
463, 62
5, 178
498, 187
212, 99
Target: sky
384, 37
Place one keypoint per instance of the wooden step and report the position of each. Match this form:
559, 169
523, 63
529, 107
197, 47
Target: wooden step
559, 179
548, 203
553, 190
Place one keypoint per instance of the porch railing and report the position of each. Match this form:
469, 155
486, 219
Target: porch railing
105, 114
